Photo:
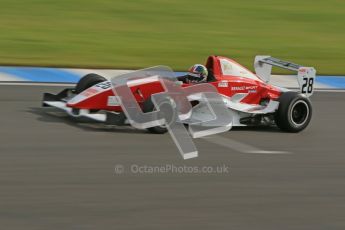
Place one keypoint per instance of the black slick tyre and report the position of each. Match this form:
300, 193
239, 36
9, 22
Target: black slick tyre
88, 81
294, 112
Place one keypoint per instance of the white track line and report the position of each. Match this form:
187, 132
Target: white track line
36, 84
238, 146
331, 90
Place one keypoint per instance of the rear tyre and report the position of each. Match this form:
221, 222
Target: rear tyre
88, 81
294, 112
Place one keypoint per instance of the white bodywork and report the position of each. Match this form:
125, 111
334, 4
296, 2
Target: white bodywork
239, 110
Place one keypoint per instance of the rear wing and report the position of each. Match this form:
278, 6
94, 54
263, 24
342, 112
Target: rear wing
305, 75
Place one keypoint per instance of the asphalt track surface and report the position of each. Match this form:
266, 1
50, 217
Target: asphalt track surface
56, 173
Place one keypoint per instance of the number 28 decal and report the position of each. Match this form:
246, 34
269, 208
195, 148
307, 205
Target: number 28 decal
306, 80
307, 86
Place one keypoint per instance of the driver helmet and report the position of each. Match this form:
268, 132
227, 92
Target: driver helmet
197, 74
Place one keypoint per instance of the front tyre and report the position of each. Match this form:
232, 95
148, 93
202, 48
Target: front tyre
88, 81
294, 112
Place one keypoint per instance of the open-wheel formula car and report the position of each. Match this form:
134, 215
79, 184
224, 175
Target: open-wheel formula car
251, 98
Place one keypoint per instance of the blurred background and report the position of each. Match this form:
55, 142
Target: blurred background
141, 33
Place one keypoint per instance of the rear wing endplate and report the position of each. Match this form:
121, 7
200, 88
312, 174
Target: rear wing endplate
305, 75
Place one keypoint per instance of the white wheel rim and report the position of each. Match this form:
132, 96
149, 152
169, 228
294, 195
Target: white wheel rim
306, 106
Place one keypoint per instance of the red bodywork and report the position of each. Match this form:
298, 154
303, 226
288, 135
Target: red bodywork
227, 85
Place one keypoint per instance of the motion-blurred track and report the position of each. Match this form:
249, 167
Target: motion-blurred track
56, 173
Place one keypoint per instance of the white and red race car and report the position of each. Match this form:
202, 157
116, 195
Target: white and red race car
250, 97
